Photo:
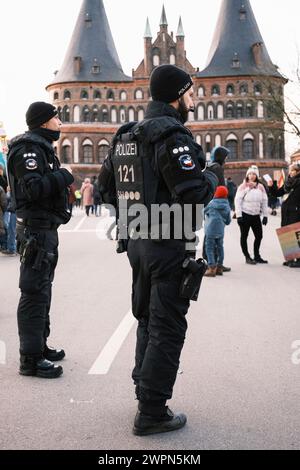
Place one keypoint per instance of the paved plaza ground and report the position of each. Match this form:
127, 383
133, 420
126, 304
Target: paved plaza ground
238, 382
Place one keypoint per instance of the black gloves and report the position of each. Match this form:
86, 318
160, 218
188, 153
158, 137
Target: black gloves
265, 220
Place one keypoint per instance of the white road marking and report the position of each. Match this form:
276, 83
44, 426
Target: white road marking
108, 354
80, 224
2, 353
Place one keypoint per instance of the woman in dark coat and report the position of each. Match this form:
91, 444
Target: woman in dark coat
290, 212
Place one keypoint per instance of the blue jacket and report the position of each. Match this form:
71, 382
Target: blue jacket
217, 215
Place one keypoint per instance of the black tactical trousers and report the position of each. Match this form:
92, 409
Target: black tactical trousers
36, 285
161, 315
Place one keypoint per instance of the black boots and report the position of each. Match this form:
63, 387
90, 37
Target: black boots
39, 367
146, 424
259, 260
53, 354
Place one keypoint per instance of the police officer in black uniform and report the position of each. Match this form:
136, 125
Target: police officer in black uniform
157, 161
40, 196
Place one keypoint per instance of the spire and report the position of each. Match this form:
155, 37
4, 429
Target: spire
180, 32
147, 34
163, 19
92, 55
238, 47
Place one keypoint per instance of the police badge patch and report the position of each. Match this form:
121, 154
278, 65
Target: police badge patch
31, 164
186, 162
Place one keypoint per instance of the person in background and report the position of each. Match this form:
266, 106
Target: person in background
87, 195
3, 179
97, 197
217, 215
217, 161
290, 210
3, 207
78, 198
231, 186
72, 198
10, 223
251, 203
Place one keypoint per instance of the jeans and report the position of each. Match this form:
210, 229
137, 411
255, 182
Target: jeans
10, 221
215, 251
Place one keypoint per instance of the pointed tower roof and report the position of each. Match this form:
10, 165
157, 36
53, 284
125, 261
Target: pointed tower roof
180, 32
163, 19
238, 47
92, 55
148, 33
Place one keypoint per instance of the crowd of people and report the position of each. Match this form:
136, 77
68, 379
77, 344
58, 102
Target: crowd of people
248, 203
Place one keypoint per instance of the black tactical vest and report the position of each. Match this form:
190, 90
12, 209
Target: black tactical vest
134, 158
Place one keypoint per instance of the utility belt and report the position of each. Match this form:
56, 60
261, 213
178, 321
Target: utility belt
33, 255
37, 224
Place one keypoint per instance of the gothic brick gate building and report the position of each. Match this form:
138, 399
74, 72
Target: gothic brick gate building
236, 95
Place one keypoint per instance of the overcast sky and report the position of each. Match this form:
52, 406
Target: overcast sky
35, 34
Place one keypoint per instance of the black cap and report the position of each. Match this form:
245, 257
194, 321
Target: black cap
168, 83
38, 113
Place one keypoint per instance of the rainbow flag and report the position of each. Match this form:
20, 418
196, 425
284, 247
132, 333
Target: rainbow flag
289, 239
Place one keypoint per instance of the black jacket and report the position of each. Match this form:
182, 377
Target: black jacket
176, 163
290, 213
39, 186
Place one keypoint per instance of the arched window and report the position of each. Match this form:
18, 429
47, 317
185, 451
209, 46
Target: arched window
84, 95
103, 149
260, 110
191, 116
271, 147
220, 111
66, 151
240, 111
230, 90
243, 89
229, 111
131, 115
87, 151
248, 147
86, 114
95, 114
110, 95
55, 96
59, 113
200, 112
138, 95
123, 96
232, 145
208, 146
104, 114
257, 89
218, 140
141, 115
66, 114
199, 139
156, 58
76, 113
210, 112
97, 95
215, 90
67, 95
114, 115
122, 115
249, 110
172, 59
201, 91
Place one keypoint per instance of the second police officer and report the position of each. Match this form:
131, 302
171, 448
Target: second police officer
157, 161
40, 196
